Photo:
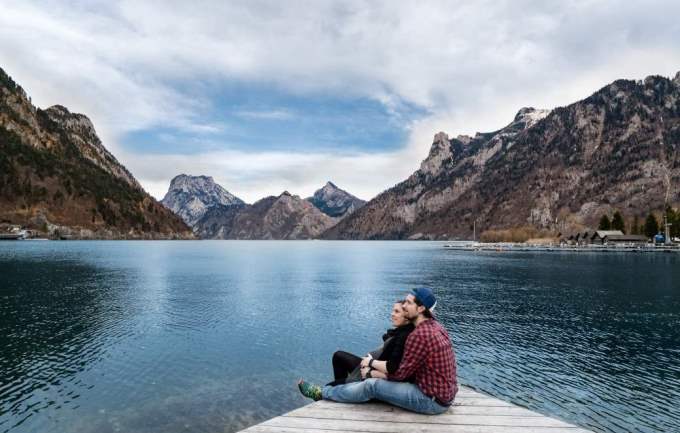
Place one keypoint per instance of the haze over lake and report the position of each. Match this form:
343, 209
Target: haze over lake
212, 336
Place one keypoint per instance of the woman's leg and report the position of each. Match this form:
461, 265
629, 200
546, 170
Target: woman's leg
343, 364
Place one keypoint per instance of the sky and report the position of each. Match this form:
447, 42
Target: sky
267, 96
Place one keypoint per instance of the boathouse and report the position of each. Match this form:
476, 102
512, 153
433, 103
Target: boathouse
626, 239
599, 236
583, 238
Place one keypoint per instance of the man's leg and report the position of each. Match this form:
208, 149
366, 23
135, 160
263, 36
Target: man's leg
403, 394
354, 392
406, 395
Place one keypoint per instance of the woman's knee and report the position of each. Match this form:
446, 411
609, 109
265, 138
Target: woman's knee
338, 356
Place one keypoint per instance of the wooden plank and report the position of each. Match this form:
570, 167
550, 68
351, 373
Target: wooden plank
411, 427
458, 410
451, 419
408, 429
479, 402
472, 412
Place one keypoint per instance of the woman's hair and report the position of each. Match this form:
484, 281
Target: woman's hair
427, 313
400, 301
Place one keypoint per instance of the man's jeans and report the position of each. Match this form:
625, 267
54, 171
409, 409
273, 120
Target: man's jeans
402, 394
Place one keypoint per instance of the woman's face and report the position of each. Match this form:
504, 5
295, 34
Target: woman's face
398, 317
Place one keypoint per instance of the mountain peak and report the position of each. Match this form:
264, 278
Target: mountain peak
440, 153
335, 202
530, 116
191, 196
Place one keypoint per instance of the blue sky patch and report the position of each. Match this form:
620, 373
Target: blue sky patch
249, 117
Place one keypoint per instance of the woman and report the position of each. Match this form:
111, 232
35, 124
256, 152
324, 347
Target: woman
348, 367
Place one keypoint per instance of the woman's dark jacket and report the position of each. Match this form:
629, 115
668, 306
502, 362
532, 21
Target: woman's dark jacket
393, 350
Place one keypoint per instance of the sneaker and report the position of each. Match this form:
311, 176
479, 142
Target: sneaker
309, 390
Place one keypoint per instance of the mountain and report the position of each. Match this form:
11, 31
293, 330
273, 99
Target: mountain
547, 170
190, 197
284, 217
57, 178
334, 201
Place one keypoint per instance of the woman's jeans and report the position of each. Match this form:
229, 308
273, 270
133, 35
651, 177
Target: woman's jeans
403, 394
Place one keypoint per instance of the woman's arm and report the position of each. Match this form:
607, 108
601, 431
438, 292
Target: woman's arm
380, 366
378, 374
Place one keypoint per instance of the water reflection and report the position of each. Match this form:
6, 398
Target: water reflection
55, 320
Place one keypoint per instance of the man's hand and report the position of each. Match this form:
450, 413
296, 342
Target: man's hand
365, 360
364, 371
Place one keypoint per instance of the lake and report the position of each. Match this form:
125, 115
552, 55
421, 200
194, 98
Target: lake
211, 336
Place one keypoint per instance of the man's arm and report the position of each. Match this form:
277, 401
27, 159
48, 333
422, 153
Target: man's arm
415, 352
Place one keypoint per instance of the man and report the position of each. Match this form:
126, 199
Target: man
428, 359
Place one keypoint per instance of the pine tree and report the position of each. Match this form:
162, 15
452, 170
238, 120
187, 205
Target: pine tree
604, 223
674, 219
651, 226
635, 227
617, 222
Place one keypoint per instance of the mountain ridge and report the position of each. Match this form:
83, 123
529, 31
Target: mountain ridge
57, 178
554, 170
286, 216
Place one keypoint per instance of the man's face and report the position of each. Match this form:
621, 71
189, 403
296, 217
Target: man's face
410, 307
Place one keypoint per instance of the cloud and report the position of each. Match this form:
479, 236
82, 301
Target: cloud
266, 114
252, 176
469, 65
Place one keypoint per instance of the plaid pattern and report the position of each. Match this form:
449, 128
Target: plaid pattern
429, 357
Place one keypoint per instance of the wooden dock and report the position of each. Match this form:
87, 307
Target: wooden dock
472, 412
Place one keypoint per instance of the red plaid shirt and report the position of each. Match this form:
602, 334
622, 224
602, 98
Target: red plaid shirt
428, 355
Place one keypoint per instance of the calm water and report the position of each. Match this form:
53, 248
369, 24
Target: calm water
211, 336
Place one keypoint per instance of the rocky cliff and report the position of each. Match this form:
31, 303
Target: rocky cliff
190, 197
553, 170
56, 177
284, 217
335, 202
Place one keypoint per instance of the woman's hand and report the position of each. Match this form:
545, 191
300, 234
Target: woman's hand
364, 371
365, 360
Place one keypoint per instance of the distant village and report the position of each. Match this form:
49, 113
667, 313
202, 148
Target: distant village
613, 232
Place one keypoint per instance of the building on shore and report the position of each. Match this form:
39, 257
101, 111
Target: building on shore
603, 237
625, 239
599, 236
583, 238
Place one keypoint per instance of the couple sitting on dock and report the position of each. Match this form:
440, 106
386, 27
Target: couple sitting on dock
415, 368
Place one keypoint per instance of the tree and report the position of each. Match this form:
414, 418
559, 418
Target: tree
651, 226
673, 217
617, 222
635, 227
604, 223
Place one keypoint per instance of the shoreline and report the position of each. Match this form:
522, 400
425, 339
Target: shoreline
520, 247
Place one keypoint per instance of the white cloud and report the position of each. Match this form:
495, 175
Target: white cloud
471, 65
279, 114
252, 176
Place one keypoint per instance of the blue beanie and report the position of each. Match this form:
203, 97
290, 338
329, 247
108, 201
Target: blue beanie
425, 296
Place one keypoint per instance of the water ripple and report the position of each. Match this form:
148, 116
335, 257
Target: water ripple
210, 336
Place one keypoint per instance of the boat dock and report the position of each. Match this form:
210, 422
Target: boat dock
472, 412
508, 247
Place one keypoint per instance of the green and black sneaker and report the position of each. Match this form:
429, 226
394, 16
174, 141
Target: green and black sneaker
309, 390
